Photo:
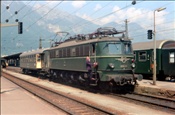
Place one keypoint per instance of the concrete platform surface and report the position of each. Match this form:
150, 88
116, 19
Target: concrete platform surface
162, 89
17, 101
100, 99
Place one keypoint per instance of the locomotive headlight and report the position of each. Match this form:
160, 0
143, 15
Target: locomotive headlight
111, 65
133, 65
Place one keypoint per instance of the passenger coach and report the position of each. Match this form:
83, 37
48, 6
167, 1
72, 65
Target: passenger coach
165, 52
31, 61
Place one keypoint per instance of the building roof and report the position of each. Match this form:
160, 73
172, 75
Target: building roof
12, 56
149, 45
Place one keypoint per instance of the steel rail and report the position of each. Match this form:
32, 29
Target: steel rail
61, 101
148, 99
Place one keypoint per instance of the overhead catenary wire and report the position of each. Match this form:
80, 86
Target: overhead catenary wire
16, 12
160, 31
29, 11
44, 15
6, 8
73, 12
23, 16
79, 23
97, 19
122, 20
41, 17
83, 7
66, 16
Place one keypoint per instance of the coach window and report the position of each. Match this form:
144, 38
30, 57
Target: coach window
68, 52
142, 56
60, 53
64, 52
81, 50
39, 58
33, 58
172, 57
77, 51
57, 53
73, 52
86, 50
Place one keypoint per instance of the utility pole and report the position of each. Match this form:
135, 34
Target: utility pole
154, 41
40, 43
126, 28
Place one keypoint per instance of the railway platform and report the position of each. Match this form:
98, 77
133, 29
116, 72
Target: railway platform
144, 86
15, 100
161, 89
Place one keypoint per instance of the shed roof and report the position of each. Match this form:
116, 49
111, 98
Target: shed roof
150, 44
13, 56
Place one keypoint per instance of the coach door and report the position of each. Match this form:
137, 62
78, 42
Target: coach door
46, 59
92, 51
42, 60
38, 61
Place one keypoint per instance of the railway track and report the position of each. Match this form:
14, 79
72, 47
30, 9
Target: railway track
156, 102
61, 101
159, 103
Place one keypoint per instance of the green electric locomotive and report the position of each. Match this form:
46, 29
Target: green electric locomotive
67, 61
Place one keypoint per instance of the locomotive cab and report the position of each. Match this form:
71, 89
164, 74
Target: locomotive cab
116, 62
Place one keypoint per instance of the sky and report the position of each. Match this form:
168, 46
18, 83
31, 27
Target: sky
102, 12
94, 11
121, 10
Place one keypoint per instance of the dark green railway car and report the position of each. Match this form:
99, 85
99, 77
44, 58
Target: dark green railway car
3, 63
165, 51
114, 56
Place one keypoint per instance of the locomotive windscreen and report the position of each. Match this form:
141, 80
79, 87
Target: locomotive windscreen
120, 48
115, 48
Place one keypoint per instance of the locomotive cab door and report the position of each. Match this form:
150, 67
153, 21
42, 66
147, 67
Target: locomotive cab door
92, 51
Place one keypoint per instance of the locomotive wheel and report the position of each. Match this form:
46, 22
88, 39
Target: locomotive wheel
54, 76
61, 77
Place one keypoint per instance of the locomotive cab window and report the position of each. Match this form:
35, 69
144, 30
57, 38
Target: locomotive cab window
142, 56
114, 48
172, 57
127, 48
135, 56
93, 49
